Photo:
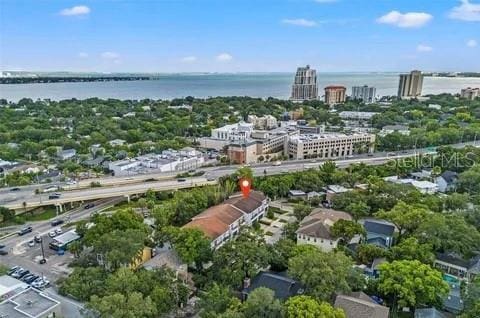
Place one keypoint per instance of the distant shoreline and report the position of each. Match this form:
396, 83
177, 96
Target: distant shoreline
69, 79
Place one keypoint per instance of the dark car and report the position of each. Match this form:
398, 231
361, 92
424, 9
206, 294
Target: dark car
25, 230
2, 246
15, 189
89, 206
53, 196
57, 222
3, 252
181, 180
13, 269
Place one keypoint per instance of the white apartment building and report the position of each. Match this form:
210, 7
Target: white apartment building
235, 132
329, 145
364, 93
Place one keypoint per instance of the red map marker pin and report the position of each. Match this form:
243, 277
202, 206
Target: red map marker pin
245, 186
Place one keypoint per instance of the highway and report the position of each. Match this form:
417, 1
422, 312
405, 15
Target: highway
131, 185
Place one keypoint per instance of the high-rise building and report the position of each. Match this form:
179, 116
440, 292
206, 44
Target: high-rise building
364, 93
305, 85
335, 95
410, 85
470, 93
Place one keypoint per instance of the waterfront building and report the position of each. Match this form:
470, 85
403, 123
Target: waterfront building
335, 94
305, 85
470, 93
410, 85
364, 93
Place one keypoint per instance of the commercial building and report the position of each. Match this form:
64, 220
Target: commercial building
305, 85
265, 122
410, 85
61, 242
364, 93
470, 93
222, 222
167, 161
235, 132
335, 94
329, 145
390, 129
18, 300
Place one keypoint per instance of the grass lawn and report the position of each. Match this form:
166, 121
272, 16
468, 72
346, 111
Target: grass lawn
41, 216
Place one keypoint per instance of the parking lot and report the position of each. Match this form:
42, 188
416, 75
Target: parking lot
23, 255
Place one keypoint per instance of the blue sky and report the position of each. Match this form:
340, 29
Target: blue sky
239, 35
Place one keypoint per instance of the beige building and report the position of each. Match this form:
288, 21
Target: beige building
305, 85
329, 145
265, 122
470, 93
335, 94
410, 85
315, 228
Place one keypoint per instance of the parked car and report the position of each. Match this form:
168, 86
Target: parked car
3, 252
31, 243
2, 246
57, 222
71, 182
41, 284
12, 269
15, 189
25, 230
20, 273
31, 279
37, 238
58, 231
89, 206
52, 234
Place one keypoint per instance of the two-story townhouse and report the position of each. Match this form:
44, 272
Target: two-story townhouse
222, 222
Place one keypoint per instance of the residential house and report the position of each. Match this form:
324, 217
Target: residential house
222, 222
379, 233
297, 194
447, 181
117, 142
167, 257
454, 265
360, 305
66, 154
315, 228
425, 187
390, 129
282, 285
92, 163
333, 190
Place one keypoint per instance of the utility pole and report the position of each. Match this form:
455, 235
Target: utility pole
43, 252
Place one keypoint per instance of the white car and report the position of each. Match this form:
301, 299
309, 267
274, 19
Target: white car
52, 234
31, 243
58, 231
71, 182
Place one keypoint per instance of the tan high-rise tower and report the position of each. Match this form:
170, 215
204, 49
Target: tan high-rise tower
410, 85
305, 85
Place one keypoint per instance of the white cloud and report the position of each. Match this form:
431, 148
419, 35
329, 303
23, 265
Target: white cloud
76, 10
189, 59
472, 43
110, 55
83, 55
466, 11
424, 48
224, 57
406, 20
300, 22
